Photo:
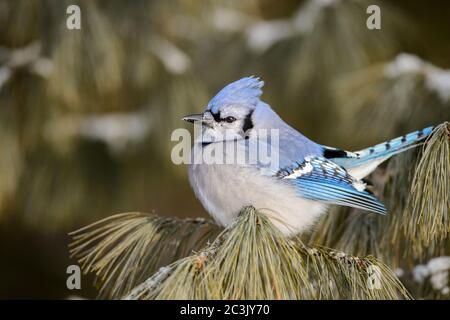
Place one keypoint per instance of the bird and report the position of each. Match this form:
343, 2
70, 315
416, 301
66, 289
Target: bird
298, 188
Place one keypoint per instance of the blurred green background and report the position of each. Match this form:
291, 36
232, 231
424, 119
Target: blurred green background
86, 115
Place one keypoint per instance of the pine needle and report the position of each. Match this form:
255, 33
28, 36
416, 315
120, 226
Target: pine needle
252, 260
426, 218
123, 250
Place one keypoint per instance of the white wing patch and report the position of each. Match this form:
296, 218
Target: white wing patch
301, 170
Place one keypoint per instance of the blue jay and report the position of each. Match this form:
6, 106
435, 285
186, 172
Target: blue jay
308, 176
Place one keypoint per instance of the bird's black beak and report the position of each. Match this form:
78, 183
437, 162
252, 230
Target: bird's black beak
193, 117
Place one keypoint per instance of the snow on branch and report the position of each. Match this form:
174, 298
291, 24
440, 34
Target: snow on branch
436, 79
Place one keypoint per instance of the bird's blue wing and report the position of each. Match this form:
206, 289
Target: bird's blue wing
317, 178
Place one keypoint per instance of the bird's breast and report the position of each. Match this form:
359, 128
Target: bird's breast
224, 189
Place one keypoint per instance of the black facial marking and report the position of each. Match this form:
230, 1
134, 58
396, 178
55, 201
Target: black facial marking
216, 116
371, 150
334, 153
419, 133
403, 139
388, 145
248, 123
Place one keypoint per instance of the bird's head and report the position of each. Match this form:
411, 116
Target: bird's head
228, 115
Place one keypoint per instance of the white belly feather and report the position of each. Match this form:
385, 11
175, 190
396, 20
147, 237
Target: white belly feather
225, 189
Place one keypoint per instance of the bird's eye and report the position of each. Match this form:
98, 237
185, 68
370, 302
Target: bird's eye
230, 119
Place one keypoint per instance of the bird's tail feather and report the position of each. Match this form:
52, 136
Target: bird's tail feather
378, 153
391, 147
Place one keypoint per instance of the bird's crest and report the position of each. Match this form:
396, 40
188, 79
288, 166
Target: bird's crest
243, 91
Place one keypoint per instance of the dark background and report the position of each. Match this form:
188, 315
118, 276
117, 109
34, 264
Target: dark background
86, 115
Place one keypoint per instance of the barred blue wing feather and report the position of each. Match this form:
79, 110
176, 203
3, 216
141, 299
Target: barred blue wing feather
319, 179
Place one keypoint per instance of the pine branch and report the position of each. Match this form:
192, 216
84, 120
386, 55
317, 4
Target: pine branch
252, 260
426, 217
123, 250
